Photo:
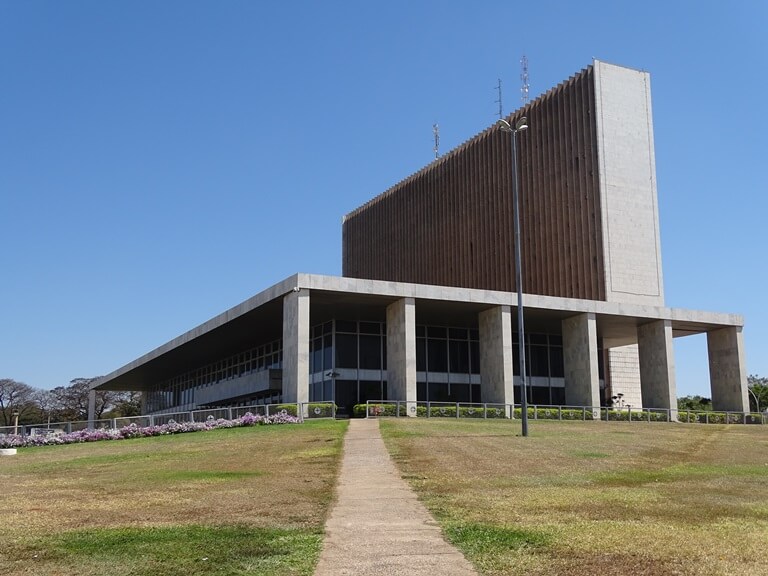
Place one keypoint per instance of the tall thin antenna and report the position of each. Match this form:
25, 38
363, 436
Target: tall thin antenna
524, 79
436, 133
498, 88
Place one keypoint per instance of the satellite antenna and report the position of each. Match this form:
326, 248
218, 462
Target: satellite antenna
498, 88
524, 79
436, 133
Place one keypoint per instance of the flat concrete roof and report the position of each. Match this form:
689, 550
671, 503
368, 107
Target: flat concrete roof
261, 316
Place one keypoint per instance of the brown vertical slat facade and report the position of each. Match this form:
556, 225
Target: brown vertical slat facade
451, 224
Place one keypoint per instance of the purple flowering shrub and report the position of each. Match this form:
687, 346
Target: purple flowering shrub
134, 431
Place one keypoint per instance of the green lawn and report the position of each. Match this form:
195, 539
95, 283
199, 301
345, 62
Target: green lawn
238, 501
592, 498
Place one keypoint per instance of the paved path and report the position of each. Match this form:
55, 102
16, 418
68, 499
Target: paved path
377, 526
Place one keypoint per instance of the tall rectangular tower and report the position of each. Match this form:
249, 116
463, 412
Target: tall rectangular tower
589, 213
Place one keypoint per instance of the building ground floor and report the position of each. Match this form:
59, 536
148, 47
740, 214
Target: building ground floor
313, 338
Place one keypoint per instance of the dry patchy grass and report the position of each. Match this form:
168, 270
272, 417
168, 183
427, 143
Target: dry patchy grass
273, 482
595, 497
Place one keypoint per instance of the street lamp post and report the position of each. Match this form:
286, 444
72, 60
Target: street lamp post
757, 401
520, 125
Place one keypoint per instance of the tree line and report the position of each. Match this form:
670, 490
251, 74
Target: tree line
758, 397
63, 403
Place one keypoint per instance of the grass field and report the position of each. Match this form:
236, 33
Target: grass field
238, 501
593, 498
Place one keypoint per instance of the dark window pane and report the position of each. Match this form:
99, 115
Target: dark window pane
421, 355
474, 335
421, 331
421, 391
327, 354
557, 370
346, 395
540, 395
346, 326
327, 327
437, 356
459, 393
438, 392
476, 394
539, 362
555, 340
474, 356
436, 332
538, 339
370, 390
384, 353
457, 333
558, 396
370, 328
328, 390
459, 357
370, 352
346, 351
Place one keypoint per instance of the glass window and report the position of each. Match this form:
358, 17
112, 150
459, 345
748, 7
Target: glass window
474, 356
421, 391
556, 366
421, 332
538, 360
460, 393
438, 392
346, 326
538, 339
437, 356
370, 352
437, 332
327, 352
370, 390
459, 357
457, 333
370, 328
421, 354
346, 350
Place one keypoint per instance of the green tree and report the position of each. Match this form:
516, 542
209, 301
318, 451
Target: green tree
697, 402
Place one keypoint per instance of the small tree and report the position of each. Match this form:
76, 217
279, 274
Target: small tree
14, 397
697, 403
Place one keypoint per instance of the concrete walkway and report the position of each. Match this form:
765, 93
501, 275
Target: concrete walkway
377, 526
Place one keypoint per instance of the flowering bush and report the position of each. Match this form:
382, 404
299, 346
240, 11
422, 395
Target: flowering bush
134, 431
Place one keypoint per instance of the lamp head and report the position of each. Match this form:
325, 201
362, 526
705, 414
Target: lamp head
522, 124
503, 125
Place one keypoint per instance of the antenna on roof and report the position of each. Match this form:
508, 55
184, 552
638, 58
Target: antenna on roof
436, 133
498, 88
524, 79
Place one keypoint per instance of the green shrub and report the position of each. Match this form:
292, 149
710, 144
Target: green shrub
363, 410
289, 409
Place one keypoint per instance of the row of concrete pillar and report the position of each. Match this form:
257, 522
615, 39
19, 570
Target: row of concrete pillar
580, 355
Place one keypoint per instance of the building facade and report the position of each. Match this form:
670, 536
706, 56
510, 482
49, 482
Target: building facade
427, 302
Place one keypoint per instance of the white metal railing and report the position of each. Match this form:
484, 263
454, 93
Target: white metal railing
400, 408
305, 411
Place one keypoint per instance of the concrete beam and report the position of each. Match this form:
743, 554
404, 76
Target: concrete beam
296, 346
401, 352
496, 358
727, 369
582, 380
657, 365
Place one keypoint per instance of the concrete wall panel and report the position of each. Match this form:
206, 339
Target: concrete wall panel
727, 369
296, 346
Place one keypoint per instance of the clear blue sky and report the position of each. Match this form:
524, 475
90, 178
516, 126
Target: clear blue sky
162, 161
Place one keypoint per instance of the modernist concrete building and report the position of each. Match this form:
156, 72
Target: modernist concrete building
427, 303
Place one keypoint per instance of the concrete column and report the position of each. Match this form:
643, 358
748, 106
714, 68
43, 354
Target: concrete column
728, 369
401, 352
296, 346
582, 381
91, 408
496, 359
657, 365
